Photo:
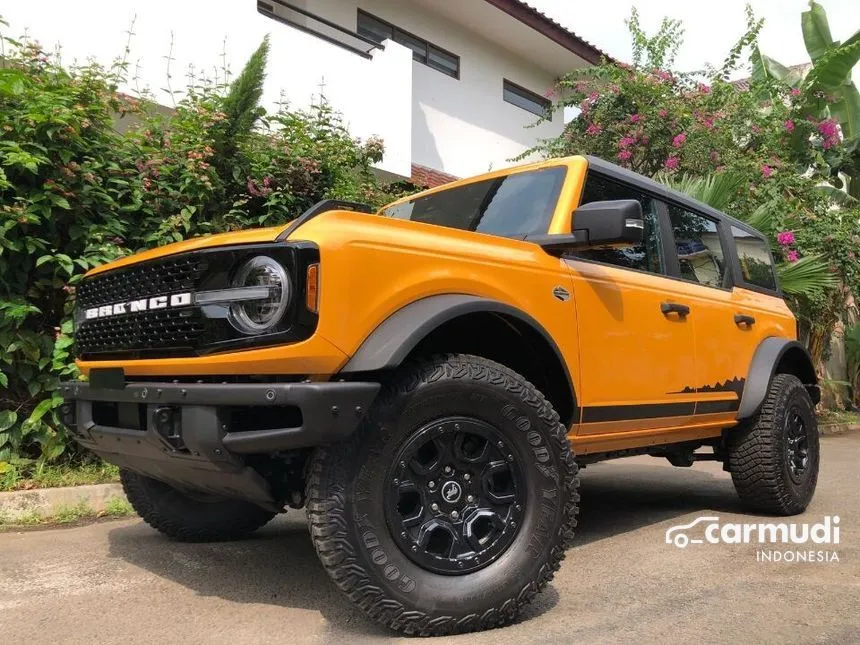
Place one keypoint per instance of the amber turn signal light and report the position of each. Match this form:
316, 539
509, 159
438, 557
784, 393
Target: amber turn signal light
312, 288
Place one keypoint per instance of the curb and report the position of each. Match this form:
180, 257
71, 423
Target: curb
48, 502
838, 428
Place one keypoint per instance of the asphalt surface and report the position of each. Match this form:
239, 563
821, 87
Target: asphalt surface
121, 582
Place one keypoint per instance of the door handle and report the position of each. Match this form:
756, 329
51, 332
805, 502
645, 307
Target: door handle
744, 319
674, 308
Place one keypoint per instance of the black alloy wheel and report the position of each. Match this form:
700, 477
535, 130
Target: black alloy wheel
796, 445
455, 496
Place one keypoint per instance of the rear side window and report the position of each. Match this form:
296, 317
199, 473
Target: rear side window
511, 206
754, 256
642, 257
697, 241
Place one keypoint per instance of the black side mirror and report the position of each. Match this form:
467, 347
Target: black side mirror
618, 221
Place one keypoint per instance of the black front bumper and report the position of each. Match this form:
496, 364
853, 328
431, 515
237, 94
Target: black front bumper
187, 434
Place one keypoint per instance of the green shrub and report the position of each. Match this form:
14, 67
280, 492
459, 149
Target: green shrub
75, 193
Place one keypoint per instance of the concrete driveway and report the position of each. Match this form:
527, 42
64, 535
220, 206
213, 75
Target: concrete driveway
121, 582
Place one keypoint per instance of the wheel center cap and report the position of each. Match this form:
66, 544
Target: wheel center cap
451, 492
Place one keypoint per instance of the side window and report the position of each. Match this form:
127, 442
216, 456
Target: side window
643, 257
697, 240
754, 256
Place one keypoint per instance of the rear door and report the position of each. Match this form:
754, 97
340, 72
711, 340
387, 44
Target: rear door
636, 343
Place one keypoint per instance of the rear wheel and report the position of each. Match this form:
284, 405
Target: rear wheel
190, 517
451, 506
774, 457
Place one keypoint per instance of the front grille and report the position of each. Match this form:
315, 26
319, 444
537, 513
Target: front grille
177, 329
149, 279
183, 330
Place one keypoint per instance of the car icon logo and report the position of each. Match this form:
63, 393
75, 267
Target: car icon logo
451, 492
676, 535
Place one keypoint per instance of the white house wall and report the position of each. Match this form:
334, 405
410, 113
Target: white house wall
461, 127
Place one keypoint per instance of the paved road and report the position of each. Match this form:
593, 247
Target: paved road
120, 582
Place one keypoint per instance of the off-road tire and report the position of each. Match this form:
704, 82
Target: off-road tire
347, 518
758, 451
186, 519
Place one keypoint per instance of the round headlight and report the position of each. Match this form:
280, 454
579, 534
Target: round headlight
259, 315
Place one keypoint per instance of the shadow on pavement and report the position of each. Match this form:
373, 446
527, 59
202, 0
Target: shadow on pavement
278, 565
617, 497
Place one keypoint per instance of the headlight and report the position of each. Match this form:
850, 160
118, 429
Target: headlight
262, 314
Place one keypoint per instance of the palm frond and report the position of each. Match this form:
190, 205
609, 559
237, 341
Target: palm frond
838, 197
716, 190
808, 276
761, 219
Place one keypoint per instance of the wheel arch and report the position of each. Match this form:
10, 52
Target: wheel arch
462, 323
776, 356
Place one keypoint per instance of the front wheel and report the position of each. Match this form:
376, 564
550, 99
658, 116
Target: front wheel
189, 517
452, 505
774, 457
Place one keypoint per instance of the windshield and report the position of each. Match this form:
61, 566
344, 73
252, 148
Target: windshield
515, 205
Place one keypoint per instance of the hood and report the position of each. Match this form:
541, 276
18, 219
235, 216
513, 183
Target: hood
251, 236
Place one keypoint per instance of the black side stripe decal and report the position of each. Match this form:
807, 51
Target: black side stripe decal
601, 413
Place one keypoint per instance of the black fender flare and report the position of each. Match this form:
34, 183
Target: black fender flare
390, 343
767, 358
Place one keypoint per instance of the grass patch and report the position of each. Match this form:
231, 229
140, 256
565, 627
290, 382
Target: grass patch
54, 476
838, 416
115, 507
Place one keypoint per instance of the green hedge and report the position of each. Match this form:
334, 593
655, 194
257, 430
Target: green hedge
75, 193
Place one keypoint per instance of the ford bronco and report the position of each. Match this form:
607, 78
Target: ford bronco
427, 380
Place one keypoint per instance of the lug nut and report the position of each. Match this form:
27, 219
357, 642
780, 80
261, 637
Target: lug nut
448, 470
434, 506
454, 515
467, 477
470, 498
431, 484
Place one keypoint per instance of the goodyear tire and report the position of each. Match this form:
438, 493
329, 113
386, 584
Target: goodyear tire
453, 503
189, 518
774, 457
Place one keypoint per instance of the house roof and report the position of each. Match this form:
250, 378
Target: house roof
552, 29
430, 177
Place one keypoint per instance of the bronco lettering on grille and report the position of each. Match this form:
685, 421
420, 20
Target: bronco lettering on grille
142, 304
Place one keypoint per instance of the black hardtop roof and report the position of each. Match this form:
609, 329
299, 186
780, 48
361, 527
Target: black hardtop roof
664, 192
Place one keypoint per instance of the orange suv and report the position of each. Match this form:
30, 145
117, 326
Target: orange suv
428, 379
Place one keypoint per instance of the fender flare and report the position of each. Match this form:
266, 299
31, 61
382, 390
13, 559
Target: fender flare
768, 355
390, 343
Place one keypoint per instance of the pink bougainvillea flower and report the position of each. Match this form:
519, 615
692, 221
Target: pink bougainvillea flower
792, 256
785, 238
704, 89
766, 171
663, 113
795, 91
672, 163
624, 155
679, 140
789, 125
593, 96
594, 128
626, 142
635, 118
715, 156
829, 131
549, 94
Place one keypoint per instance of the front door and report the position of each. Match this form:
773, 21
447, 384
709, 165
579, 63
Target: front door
636, 340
